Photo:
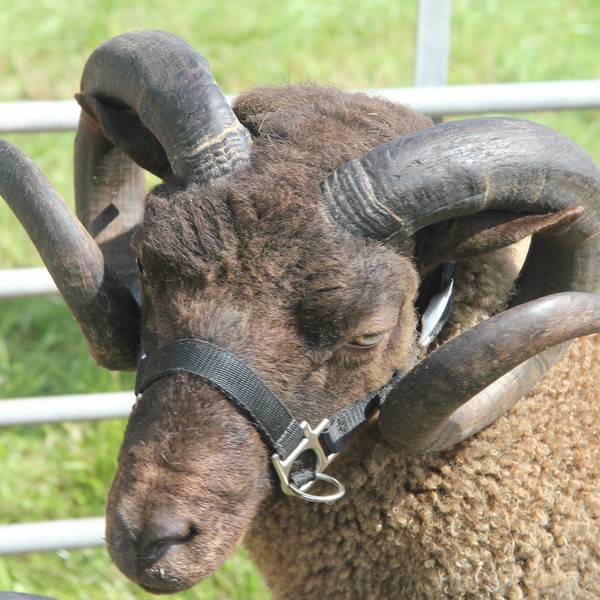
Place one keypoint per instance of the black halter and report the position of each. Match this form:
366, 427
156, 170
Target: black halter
286, 437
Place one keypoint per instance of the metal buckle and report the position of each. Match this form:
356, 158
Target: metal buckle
310, 442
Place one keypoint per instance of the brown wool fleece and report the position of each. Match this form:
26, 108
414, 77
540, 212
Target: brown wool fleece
513, 512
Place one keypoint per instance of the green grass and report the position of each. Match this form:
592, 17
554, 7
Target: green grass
63, 471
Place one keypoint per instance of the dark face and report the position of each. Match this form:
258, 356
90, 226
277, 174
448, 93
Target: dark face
320, 328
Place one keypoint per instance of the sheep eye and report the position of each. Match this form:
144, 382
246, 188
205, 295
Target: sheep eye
366, 341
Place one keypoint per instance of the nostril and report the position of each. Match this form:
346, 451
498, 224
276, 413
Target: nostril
155, 542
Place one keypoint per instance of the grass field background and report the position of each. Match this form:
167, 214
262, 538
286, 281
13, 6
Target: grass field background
63, 471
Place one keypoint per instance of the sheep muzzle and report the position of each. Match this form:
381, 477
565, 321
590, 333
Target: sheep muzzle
177, 509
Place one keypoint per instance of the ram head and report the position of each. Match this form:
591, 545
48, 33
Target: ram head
284, 272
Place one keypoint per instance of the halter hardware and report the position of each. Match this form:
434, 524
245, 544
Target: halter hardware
312, 442
284, 435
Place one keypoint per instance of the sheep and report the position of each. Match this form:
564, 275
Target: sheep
286, 269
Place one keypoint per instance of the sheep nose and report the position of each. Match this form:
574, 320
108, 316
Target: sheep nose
162, 535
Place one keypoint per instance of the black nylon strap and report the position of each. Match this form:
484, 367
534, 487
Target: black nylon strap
233, 378
244, 388
347, 420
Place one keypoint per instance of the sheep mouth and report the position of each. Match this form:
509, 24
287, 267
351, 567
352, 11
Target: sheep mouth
170, 587
176, 567
165, 567
166, 587
159, 579
154, 552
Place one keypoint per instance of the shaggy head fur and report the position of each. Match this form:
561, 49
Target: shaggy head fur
252, 265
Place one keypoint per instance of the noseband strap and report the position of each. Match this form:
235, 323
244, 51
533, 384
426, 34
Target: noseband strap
233, 378
285, 436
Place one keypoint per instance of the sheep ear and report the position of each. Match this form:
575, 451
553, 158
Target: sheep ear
484, 232
124, 130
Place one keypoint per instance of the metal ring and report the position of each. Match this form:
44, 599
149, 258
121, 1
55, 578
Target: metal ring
329, 499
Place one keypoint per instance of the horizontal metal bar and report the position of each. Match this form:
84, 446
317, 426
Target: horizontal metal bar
38, 115
498, 98
22, 283
50, 536
60, 115
56, 409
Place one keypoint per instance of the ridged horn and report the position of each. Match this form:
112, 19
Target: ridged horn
499, 360
166, 114
104, 308
170, 88
454, 170
157, 83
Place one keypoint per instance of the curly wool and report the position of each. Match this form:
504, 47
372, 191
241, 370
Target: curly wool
513, 512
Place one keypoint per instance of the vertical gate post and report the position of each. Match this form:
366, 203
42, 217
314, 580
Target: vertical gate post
433, 43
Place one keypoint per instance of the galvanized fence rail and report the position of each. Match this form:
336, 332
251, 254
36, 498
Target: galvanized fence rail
430, 95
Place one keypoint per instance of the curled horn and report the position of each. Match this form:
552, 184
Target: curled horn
454, 170
489, 352
149, 101
172, 92
104, 308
